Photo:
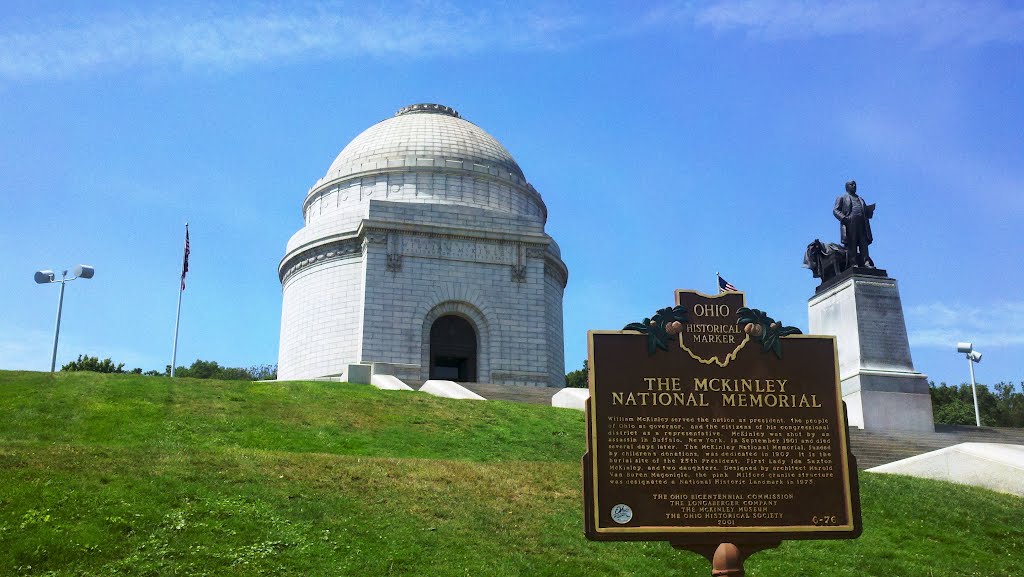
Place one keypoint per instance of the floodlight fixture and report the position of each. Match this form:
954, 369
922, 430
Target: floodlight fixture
48, 276
84, 271
973, 356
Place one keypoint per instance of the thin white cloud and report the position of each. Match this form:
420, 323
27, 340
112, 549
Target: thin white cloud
255, 35
221, 38
930, 22
942, 325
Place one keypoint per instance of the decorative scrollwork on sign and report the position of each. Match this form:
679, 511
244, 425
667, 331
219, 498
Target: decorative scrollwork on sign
667, 322
765, 329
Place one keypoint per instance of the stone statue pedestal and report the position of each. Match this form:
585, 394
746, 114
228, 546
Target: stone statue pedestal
882, 391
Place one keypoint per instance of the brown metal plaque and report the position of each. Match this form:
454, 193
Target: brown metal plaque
719, 438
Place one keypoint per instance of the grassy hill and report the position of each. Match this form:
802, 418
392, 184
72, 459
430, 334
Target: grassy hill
131, 475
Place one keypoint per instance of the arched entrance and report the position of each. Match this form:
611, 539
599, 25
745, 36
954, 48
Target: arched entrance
453, 349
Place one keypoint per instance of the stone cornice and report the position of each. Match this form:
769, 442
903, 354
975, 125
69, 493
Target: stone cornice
554, 267
353, 244
336, 249
849, 281
427, 108
464, 233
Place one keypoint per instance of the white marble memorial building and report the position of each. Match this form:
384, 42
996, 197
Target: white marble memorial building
423, 254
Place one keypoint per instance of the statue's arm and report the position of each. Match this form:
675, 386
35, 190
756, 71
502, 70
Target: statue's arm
837, 211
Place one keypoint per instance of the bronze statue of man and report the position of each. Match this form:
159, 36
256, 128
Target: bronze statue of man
854, 225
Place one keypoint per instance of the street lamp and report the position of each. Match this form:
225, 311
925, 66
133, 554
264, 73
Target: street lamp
46, 277
973, 356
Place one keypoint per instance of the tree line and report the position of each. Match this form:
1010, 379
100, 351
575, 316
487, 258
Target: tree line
1002, 405
200, 369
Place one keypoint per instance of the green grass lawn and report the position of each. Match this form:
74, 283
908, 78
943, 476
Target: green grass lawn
131, 475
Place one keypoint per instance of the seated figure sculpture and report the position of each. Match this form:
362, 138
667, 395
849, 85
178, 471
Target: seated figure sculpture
826, 261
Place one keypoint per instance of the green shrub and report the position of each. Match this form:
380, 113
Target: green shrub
94, 364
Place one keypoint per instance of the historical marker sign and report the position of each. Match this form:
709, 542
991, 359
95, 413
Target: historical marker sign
713, 423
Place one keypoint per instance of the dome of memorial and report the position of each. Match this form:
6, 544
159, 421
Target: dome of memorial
424, 135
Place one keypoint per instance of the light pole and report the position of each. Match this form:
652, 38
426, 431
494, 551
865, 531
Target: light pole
973, 356
46, 277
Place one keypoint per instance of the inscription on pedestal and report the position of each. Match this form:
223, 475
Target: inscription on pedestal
882, 342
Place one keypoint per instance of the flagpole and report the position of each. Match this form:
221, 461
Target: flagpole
718, 281
177, 315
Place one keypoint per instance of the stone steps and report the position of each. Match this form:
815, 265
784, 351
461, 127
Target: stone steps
514, 393
877, 448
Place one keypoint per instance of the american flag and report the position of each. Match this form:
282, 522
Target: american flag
184, 264
725, 286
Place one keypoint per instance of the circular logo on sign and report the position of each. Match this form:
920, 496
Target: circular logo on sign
622, 514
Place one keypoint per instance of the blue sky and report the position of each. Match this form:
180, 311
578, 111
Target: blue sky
669, 142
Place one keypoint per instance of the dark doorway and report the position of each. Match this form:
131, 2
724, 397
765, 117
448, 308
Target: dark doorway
453, 350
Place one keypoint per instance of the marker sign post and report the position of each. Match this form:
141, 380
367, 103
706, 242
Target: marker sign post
717, 429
